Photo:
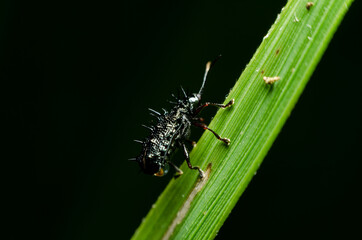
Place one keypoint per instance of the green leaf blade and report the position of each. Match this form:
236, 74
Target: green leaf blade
291, 50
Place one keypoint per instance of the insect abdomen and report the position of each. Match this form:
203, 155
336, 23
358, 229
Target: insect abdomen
162, 141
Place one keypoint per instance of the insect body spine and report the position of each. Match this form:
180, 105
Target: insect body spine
172, 130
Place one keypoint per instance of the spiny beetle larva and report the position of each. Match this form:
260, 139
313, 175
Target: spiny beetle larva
172, 130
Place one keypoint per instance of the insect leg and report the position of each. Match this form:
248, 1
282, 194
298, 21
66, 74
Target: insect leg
203, 126
179, 172
198, 119
198, 109
186, 153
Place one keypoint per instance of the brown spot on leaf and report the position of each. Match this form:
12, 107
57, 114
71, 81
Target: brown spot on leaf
309, 5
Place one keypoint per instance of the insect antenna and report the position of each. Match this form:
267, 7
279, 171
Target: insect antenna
138, 141
132, 159
207, 69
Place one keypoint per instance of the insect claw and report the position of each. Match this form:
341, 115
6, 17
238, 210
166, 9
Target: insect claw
164, 111
178, 174
226, 140
230, 103
138, 141
201, 173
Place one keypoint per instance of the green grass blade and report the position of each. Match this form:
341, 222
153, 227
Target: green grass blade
291, 50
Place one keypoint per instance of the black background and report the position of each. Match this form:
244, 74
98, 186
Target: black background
77, 79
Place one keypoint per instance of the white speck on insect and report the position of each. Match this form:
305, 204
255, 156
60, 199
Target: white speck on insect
310, 38
255, 173
266, 36
308, 25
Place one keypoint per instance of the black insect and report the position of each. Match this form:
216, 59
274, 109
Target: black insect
172, 130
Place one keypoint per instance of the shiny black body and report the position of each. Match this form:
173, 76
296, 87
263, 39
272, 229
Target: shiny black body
172, 130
